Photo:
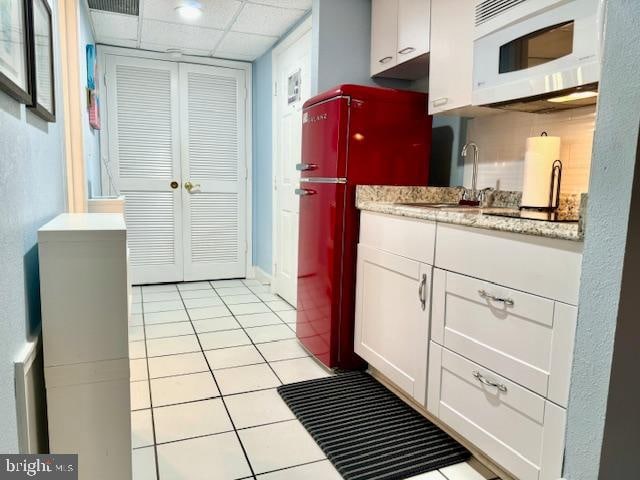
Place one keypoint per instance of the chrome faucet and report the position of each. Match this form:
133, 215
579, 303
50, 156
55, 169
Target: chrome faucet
474, 178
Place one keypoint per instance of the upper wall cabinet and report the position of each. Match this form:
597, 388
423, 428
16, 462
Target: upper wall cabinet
451, 58
400, 38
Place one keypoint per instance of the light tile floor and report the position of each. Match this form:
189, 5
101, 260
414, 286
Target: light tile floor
206, 358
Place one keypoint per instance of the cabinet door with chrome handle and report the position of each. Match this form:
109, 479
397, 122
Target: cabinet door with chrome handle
406, 50
422, 292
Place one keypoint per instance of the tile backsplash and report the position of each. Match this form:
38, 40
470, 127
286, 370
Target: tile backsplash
501, 139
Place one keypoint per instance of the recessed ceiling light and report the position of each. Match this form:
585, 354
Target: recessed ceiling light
574, 96
189, 10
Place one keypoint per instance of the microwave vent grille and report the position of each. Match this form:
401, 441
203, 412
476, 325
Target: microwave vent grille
488, 9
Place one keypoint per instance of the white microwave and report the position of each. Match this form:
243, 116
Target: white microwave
537, 55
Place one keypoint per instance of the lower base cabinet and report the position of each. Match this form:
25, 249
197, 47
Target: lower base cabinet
518, 429
392, 317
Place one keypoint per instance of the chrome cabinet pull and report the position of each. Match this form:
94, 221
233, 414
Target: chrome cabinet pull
506, 301
438, 102
482, 379
406, 50
303, 167
303, 192
422, 292
385, 59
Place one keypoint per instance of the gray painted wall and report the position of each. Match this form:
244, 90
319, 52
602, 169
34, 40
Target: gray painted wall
32, 182
610, 189
341, 43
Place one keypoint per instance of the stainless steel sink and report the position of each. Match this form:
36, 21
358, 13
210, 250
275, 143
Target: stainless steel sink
437, 205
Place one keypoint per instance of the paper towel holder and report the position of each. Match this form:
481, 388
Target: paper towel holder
556, 180
554, 187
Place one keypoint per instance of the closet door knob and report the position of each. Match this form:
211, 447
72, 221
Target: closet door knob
190, 186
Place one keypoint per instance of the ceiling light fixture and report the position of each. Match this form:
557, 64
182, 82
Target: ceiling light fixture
574, 96
189, 10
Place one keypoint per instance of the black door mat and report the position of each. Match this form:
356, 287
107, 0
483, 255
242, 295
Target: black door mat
366, 431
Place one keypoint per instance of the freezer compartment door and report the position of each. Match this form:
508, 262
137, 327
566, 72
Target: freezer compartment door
320, 249
324, 139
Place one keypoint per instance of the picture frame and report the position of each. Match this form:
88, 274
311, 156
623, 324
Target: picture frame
40, 22
15, 62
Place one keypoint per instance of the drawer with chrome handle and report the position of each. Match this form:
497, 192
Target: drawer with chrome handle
490, 383
508, 302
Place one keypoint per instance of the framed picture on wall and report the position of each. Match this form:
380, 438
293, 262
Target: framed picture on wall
14, 50
41, 55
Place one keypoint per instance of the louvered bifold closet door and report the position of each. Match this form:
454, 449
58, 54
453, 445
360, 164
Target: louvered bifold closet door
144, 146
212, 109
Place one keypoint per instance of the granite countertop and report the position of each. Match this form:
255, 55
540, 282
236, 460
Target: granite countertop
387, 199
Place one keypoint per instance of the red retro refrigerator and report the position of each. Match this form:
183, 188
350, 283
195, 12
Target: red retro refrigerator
352, 135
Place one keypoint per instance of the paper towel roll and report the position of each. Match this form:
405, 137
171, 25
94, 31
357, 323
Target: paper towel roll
538, 161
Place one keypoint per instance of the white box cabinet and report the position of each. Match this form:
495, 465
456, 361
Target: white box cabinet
393, 299
85, 308
400, 38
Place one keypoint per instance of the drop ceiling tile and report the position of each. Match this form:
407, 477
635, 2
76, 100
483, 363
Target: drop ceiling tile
114, 26
244, 46
300, 4
158, 47
173, 35
265, 20
118, 42
215, 13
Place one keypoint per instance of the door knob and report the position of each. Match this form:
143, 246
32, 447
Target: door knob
190, 186
174, 184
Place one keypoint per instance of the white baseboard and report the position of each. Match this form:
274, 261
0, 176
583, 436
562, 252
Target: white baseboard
30, 402
261, 275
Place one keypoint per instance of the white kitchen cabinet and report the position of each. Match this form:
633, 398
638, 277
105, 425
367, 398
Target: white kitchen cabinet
546, 267
392, 317
414, 19
451, 58
400, 38
384, 35
526, 338
515, 427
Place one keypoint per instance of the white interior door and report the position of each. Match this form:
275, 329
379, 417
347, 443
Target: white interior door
144, 147
212, 112
293, 87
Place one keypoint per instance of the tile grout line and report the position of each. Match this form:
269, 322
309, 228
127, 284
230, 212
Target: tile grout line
153, 423
224, 403
252, 342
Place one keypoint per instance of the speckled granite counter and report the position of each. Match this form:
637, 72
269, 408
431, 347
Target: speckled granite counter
386, 199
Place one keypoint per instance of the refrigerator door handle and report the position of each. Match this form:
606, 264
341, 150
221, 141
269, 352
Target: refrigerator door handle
303, 167
303, 192
323, 180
